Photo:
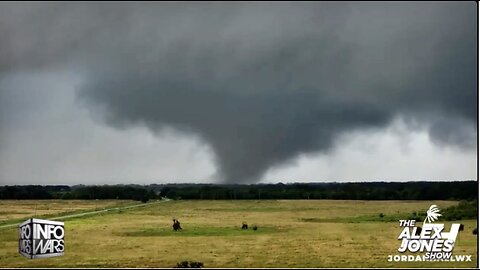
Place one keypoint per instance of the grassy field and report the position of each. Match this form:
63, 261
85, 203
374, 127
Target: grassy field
296, 233
22, 209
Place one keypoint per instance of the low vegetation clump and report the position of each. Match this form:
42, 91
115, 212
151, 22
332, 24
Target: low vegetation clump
464, 210
191, 264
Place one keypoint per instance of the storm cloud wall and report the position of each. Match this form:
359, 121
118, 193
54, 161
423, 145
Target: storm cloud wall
260, 83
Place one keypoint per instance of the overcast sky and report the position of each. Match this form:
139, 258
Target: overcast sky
106, 93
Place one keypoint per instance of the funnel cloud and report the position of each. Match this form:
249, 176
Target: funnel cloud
260, 83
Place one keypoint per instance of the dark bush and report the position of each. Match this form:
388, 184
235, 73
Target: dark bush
183, 264
176, 225
191, 264
196, 264
416, 216
464, 210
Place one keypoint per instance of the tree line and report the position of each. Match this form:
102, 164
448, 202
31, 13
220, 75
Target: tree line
455, 190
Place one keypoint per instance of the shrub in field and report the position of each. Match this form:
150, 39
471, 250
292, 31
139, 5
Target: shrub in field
381, 215
183, 264
475, 231
191, 264
416, 216
464, 210
176, 225
196, 264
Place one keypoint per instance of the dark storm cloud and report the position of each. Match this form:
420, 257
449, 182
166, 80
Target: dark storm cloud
259, 82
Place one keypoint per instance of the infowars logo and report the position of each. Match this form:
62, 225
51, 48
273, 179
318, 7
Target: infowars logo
40, 238
430, 239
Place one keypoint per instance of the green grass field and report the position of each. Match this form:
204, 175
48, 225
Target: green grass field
291, 233
17, 210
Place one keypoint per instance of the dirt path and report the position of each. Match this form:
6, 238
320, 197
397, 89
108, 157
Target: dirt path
93, 212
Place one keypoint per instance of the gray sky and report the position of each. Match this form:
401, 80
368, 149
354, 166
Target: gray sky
237, 92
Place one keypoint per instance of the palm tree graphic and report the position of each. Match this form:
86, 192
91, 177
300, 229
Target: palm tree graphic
432, 214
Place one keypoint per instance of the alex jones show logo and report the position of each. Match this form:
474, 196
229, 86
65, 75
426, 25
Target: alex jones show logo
39, 238
431, 239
